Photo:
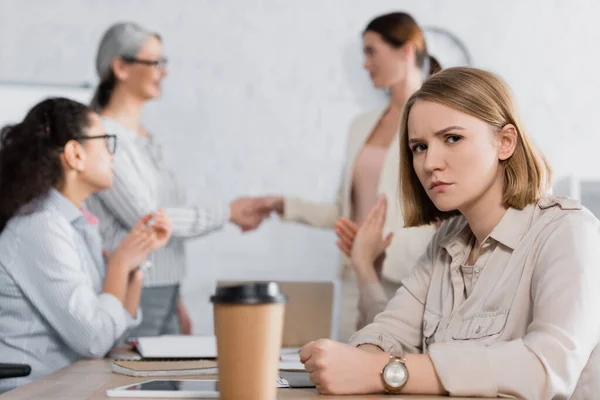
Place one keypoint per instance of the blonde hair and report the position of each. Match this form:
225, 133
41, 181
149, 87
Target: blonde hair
485, 96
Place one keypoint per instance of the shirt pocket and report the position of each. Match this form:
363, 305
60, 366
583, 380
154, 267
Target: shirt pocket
481, 325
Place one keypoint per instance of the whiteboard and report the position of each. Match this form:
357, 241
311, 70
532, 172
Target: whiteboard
16, 99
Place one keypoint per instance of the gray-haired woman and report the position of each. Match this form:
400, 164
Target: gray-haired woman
131, 67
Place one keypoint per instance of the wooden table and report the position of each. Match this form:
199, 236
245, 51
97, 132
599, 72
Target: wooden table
91, 378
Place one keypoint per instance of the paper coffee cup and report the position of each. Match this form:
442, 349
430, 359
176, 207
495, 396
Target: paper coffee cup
248, 322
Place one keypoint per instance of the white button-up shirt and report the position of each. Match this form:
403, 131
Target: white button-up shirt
524, 324
52, 311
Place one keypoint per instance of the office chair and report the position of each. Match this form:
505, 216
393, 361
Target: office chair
14, 370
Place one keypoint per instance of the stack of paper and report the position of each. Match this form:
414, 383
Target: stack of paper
290, 360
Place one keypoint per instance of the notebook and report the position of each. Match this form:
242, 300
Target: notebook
165, 368
177, 347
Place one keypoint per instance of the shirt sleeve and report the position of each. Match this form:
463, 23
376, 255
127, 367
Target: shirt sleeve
399, 328
53, 279
129, 200
372, 301
548, 360
133, 322
322, 215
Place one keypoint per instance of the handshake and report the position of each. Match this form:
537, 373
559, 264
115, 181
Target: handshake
249, 212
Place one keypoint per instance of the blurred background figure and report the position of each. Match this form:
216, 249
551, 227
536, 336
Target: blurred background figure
131, 67
396, 59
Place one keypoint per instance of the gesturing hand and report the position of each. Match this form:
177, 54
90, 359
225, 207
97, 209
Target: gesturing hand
248, 212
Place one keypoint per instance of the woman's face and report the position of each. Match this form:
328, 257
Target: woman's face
145, 79
386, 64
456, 156
96, 159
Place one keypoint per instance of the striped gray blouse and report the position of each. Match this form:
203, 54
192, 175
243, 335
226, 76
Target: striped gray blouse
142, 184
52, 311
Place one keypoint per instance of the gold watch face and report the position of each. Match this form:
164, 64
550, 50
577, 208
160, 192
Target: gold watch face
395, 374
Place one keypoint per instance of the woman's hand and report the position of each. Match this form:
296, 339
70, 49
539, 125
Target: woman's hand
135, 247
346, 231
338, 368
162, 229
249, 212
368, 248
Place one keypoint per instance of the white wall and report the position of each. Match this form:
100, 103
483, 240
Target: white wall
261, 92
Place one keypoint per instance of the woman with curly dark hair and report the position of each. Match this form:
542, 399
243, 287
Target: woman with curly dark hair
61, 300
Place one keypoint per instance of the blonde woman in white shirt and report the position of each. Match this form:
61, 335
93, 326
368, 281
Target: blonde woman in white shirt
396, 59
504, 302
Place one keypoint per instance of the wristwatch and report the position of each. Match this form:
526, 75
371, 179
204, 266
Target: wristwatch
394, 375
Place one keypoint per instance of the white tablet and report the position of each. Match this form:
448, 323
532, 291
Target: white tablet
171, 389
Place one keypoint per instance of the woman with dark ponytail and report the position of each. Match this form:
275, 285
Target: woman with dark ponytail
396, 59
61, 299
434, 65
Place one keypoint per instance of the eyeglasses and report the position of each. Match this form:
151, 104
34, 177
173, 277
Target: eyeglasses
111, 141
158, 64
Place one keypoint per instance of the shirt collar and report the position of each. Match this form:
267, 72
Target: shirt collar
64, 206
457, 238
115, 127
509, 231
513, 226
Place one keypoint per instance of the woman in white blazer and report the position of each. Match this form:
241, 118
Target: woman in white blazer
396, 59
